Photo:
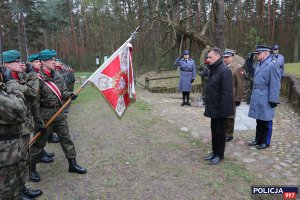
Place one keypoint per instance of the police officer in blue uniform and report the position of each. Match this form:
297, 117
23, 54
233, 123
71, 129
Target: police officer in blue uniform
187, 75
279, 60
265, 94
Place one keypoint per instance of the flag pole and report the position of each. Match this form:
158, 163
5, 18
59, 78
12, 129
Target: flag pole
36, 136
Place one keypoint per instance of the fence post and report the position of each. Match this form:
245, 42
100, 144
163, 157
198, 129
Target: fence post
147, 84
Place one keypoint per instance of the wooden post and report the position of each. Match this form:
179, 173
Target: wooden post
147, 83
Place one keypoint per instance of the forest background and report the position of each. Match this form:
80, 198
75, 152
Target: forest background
80, 30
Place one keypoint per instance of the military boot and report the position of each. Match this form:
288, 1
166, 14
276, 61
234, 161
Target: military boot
73, 167
33, 175
53, 138
31, 193
24, 197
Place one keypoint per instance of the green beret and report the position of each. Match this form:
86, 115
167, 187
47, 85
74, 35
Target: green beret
33, 57
10, 56
47, 54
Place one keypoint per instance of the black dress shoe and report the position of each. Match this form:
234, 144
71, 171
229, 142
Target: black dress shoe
188, 104
53, 138
261, 146
209, 156
183, 103
253, 143
34, 176
47, 154
74, 168
46, 159
24, 197
228, 139
216, 160
32, 193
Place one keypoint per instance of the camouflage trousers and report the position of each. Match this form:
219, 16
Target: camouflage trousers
9, 187
60, 127
229, 127
248, 90
203, 84
24, 162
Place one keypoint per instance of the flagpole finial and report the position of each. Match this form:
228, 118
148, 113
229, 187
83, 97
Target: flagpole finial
137, 29
134, 34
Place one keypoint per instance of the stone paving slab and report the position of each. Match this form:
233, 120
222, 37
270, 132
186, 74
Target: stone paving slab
280, 162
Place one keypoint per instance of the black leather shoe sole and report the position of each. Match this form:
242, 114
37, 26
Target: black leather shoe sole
32, 193
45, 153
253, 143
77, 171
34, 178
209, 157
46, 159
216, 161
228, 139
261, 146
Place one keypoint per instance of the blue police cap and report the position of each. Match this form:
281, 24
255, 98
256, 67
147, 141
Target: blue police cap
228, 53
261, 48
186, 52
275, 47
10, 56
47, 54
33, 57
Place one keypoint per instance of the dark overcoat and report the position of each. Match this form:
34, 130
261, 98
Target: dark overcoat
219, 97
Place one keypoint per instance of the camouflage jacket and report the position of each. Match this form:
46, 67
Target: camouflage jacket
47, 103
30, 83
12, 114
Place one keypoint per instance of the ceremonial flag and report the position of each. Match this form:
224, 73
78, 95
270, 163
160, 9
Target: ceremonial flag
114, 79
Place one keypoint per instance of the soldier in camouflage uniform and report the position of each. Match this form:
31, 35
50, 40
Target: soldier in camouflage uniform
29, 84
69, 76
52, 92
249, 74
12, 115
204, 73
36, 63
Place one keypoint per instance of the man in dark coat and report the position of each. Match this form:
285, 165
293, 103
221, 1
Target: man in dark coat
219, 104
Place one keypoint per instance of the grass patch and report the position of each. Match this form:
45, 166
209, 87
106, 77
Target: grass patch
87, 94
293, 69
78, 74
233, 171
142, 106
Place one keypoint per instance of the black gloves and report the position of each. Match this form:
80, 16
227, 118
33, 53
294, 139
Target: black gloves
272, 104
192, 80
29, 68
40, 127
237, 103
74, 96
6, 74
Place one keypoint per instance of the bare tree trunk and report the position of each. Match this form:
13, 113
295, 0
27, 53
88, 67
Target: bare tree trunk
296, 47
269, 20
219, 25
273, 21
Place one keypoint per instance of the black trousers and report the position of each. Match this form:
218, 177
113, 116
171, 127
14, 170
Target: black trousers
262, 129
217, 126
186, 95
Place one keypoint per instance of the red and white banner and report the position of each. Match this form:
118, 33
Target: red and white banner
114, 79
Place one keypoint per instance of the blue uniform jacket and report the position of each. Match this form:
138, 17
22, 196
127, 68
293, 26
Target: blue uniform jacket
187, 73
266, 88
280, 61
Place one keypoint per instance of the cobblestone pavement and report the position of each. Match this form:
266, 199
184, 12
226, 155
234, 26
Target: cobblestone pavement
278, 164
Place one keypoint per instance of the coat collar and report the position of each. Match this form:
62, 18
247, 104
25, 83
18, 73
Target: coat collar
262, 65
